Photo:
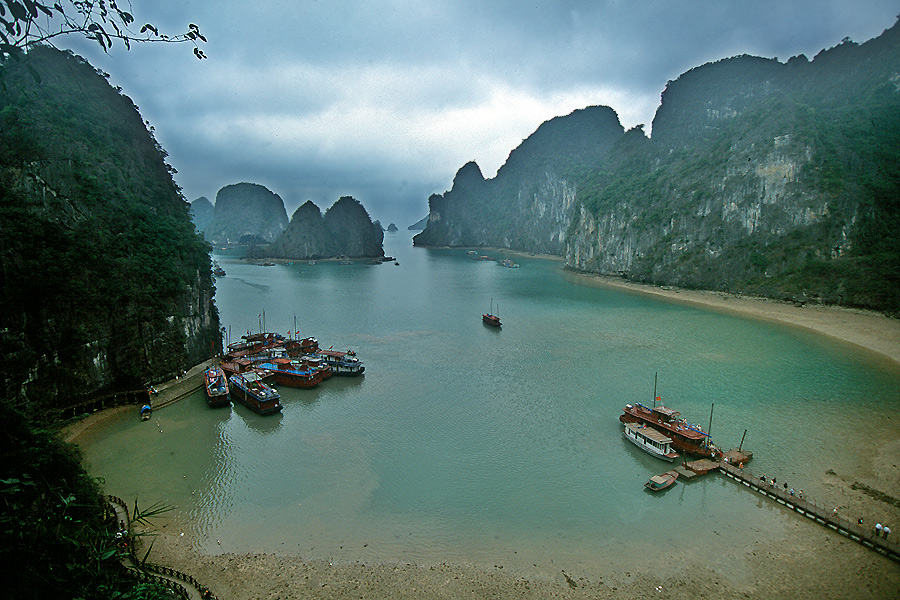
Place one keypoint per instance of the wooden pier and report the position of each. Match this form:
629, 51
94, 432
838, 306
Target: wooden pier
176, 389
863, 534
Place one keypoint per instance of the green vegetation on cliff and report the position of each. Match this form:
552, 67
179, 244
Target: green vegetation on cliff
107, 283
56, 538
761, 177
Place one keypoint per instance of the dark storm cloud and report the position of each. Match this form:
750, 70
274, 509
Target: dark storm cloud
386, 100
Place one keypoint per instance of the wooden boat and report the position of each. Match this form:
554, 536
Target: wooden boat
299, 347
216, 388
661, 482
342, 363
249, 389
489, 318
292, 373
650, 441
685, 436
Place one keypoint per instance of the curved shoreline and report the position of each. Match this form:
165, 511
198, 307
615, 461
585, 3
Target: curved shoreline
867, 330
802, 561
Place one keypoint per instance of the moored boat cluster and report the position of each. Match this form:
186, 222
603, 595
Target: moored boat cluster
252, 365
661, 432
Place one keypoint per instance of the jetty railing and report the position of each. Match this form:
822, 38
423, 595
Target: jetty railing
832, 519
105, 401
152, 572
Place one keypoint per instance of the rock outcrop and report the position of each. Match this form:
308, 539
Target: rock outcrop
346, 230
202, 211
246, 213
529, 204
107, 285
761, 177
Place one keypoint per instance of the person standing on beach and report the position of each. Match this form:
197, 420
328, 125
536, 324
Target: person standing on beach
886, 530
877, 529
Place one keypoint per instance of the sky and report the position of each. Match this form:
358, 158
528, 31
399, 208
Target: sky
385, 101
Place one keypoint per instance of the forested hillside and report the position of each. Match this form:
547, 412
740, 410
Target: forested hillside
107, 285
760, 177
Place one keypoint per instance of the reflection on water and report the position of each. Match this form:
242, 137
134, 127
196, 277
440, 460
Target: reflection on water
466, 443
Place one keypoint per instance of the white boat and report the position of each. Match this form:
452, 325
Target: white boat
650, 440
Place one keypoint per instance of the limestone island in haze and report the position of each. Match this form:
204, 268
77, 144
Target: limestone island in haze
346, 230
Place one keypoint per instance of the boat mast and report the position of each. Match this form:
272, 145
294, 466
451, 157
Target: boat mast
655, 375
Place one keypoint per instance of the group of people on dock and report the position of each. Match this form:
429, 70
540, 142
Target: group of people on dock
773, 481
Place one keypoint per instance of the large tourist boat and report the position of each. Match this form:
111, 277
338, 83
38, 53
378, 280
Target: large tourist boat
489, 318
292, 373
650, 441
248, 388
216, 388
342, 363
686, 437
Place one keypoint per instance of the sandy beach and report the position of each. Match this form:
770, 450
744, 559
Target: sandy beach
801, 560
867, 330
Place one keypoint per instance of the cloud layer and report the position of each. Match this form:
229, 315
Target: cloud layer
385, 101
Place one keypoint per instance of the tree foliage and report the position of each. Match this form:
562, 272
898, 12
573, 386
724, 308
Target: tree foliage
26, 23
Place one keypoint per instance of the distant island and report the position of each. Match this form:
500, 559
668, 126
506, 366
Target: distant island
246, 213
346, 230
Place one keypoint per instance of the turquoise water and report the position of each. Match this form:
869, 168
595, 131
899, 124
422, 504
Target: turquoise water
464, 443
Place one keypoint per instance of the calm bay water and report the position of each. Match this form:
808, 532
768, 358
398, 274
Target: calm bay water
463, 443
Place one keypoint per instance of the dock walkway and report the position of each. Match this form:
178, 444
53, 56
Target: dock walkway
176, 389
864, 534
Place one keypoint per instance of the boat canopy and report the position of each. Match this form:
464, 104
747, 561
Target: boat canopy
667, 412
649, 433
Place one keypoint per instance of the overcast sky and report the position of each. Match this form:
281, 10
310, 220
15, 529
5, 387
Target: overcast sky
386, 100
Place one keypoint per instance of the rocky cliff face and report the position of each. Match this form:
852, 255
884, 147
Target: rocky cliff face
529, 204
107, 286
346, 230
761, 177
246, 213
202, 211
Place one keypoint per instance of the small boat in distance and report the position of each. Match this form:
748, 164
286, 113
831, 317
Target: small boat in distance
490, 318
650, 441
249, 389
661, 482
216, 388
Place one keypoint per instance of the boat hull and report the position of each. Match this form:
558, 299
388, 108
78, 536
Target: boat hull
657, 483
492, 320
216, 390
262, 400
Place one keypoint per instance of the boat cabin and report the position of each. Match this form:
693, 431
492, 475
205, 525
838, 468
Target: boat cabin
650, 440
